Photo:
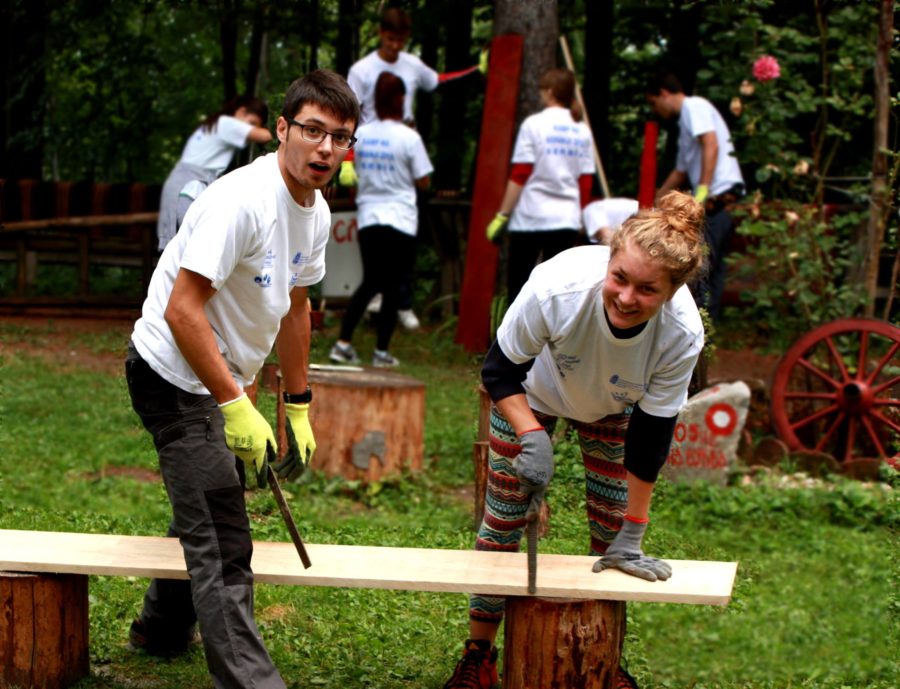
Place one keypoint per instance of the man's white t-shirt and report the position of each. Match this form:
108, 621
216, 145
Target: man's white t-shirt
364, 74
389, 158
560, 150
214, 149
581, 371
254, 243
609, 213
699, 116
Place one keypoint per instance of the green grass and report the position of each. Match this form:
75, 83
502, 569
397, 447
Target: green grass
815, 603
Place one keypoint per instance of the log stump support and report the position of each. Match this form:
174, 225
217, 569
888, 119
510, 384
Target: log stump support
562, 643
43, 630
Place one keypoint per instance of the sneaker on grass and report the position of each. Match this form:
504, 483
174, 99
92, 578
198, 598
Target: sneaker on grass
343, 354
408, 319
166, 645
382, 359
477, 669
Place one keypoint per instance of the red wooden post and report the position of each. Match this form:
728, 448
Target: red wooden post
491, 172
647, 189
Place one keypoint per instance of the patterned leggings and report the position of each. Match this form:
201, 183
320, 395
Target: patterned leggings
603, 452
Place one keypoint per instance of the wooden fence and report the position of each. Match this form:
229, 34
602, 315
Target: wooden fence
46, 225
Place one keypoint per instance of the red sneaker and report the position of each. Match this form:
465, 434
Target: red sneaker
477, 669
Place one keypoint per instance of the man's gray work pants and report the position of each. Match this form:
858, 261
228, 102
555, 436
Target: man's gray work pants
209, 517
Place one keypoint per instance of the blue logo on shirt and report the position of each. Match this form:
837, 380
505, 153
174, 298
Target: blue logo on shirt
264, 280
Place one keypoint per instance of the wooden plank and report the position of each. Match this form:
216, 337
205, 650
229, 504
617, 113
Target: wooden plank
81, 222
409, 569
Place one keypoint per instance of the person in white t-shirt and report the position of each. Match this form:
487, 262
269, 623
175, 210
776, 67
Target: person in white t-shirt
232, 283
393, 34
393, 164
206, 155
603, 217
550, 182
607, 338
707, 162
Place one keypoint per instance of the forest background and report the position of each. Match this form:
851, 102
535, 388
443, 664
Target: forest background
108, 91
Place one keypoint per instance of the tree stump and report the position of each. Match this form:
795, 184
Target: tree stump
368, 424
43, 630
558, 643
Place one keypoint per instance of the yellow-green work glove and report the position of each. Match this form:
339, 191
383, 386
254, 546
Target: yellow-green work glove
301, 442
347, 174
483, 60
496, 227
701, 194
246, 434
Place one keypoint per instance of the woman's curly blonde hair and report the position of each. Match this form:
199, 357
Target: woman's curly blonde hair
671, 233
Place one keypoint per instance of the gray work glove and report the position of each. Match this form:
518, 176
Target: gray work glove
625, 553
534, 467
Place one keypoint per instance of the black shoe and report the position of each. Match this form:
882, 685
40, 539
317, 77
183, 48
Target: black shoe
161, 645
477, 669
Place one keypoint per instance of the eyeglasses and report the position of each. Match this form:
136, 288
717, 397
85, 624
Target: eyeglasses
316, 135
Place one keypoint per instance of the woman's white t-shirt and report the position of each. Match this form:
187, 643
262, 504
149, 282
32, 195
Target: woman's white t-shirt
389, 158
561, 151
581, 371
214, 149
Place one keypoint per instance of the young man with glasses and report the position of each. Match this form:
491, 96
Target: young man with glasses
232, 283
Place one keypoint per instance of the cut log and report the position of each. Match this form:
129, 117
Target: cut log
562, 643
43, 630
368, 423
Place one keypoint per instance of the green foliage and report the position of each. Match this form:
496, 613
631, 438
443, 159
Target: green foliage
797, 263
815, 603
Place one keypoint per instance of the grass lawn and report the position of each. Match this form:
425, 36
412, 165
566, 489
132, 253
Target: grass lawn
816, 602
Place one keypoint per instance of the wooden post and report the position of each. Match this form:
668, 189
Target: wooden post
368, 423
480, 459
43, 630
561, 642
491, 173
647, 188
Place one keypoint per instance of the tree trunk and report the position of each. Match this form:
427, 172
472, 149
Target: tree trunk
257, 42
43, 630
228, 43
538, 22
22, 85
348, 35
598, 42
454, 95
878, 203
562, 643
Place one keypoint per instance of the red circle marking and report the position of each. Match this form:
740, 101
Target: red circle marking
714, 425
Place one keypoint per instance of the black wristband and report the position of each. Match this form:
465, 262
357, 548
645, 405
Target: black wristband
298, 398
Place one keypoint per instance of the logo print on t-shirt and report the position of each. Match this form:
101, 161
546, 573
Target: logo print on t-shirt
566, 362
299, 259
264, 280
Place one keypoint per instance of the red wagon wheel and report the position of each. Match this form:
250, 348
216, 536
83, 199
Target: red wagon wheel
837, 390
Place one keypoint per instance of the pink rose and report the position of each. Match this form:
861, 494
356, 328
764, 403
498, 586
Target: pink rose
766, 68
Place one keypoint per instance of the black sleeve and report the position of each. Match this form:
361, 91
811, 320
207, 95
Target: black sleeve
501, 377
647, 442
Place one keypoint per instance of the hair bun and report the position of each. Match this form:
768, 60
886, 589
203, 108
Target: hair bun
683, 212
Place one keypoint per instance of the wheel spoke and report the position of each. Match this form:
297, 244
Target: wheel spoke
885, 420
887, 402
851, 438
867, 424
815, 417
863, 354
815, 370
881, 364
828, 396
837, 358
838, 420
